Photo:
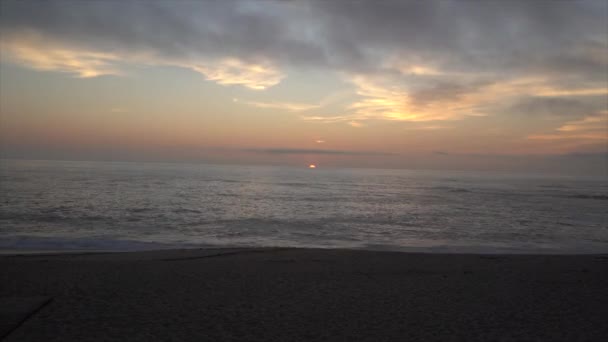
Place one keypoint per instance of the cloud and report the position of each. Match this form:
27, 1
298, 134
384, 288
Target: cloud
296, 106
441, 92
384, 98
573, 92
419, 70
32, 51
393, 97
326, 119
470, 36
590, 128
288, 106
423, 38
411, 61
211, 31
37, 54
317, 151
231, 71
556, 106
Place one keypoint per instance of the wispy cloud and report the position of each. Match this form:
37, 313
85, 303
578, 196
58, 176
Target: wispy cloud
383, 98
287, 106
233, 71
548, 91
352, 120
397, 98
33, 52
326, 119
591, 128
418, 70
299, 106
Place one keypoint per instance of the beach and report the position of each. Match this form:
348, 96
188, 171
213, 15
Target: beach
287, 294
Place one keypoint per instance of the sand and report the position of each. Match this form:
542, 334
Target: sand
308, 295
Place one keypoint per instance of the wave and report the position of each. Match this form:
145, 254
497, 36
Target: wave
553, 186
186, 211
139, 210
595, 197
92, 243
450, 189
50, 216
228, 195
45, 217
459, 190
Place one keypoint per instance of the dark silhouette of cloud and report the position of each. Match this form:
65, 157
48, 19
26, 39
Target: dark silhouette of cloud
169, 30
442, 91
498, 36
317, 151
557, 106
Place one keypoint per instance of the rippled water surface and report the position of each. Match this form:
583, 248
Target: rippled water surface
48, 205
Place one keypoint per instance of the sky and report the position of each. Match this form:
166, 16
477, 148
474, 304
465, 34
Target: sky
466, 85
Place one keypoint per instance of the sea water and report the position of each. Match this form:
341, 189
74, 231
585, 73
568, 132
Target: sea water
59, 205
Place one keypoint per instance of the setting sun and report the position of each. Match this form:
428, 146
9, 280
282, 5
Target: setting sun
312, 166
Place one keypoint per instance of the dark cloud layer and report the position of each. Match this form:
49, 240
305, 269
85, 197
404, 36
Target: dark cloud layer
442, 91
173, 30
498, 36
557, 106
467, 35
317, 152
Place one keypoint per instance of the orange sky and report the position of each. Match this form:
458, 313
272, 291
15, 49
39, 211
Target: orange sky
273, 82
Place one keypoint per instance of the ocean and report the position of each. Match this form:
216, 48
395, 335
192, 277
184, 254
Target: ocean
124, 206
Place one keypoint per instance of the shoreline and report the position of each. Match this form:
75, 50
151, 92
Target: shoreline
279, 294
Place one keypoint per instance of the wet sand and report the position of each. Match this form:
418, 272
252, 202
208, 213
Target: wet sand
306, 295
